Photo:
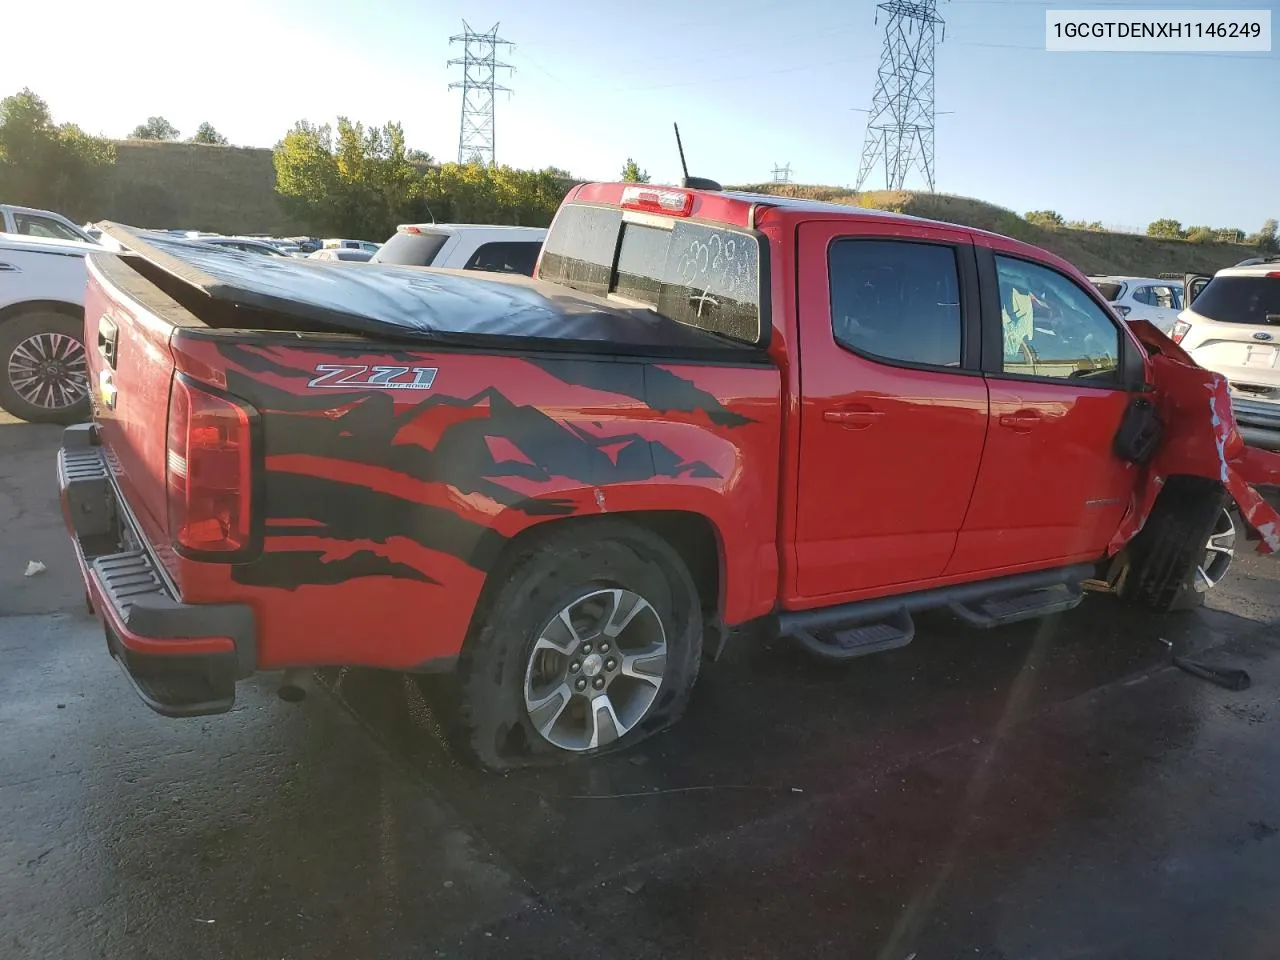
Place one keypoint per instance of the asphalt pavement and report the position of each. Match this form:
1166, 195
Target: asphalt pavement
1040, 792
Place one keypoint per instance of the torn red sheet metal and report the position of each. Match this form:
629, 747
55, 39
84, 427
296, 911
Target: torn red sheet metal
1200, 439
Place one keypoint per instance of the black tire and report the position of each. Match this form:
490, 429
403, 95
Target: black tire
530, 589
1164, 554
14, 332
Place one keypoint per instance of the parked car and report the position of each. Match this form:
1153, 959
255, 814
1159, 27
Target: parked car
245, 245
337, 244
341, 253
1232, 326
464, 246
707, 409
1143, 298
44, 224
42, 359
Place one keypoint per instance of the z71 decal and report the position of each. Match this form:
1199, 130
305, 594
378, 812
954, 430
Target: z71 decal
347, 376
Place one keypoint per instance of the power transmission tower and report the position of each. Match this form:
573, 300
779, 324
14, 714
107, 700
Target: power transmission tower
900, 125
480, 68
782, 174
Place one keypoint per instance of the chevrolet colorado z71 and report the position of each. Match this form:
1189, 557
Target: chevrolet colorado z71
706, 408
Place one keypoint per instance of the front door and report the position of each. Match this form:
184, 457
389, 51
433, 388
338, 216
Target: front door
1050, 489
893, 406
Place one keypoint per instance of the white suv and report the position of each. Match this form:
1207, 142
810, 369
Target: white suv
1143, 298
1232, 326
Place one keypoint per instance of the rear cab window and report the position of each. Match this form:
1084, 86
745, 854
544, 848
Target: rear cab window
415, 247
699, 274
515, 256
1240, 299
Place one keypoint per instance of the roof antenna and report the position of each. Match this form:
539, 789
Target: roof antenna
688, 182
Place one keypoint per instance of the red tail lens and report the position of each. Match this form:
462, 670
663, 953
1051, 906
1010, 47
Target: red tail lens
1180, 328
209, 471
673, 203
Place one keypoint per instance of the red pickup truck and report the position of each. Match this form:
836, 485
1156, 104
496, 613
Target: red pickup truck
706, 408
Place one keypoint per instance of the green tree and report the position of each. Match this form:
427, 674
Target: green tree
631, 173
48, 165
1201, 234
1165, 229
1094, 225
359, 183
1265, 239
1045, 218
205, 133
156, 128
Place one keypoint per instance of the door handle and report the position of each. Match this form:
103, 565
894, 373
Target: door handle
1020, 422
852, 419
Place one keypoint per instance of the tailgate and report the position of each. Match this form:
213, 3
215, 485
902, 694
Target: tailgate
130, 370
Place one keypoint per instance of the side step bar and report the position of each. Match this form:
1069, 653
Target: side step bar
884, 623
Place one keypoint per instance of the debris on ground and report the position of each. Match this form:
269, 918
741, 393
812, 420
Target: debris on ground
34, 567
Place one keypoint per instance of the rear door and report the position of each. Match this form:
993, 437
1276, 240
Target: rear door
1050, 489
893, 405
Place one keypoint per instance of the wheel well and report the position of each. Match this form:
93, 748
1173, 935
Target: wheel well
74, 311
691, 535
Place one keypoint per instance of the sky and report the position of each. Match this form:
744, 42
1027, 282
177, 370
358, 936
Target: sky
1121, 138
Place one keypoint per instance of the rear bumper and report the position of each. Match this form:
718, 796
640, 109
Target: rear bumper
182, 659
1258, 422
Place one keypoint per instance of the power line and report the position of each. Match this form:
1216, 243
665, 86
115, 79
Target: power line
901, 125
479, 85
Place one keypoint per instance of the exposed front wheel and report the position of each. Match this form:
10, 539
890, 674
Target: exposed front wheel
1185, 547
590, 641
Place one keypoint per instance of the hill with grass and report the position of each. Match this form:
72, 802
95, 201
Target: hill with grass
196, 186
1092, 251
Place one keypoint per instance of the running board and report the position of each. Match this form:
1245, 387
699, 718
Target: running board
852, 630
846, 643
1010, 608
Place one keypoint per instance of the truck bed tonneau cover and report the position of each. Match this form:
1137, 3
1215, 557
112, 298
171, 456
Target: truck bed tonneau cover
451, 307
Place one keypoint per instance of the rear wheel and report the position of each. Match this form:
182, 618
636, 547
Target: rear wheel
1184, 549
44, 376
591, 642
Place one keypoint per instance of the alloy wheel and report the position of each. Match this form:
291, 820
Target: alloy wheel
595, 669
1219, 552
49, 370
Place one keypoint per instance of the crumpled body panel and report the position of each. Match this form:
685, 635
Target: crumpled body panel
1200, 439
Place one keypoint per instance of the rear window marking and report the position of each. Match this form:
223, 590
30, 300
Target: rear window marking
697, 274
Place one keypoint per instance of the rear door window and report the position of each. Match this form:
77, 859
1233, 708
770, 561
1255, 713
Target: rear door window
1230, 299
412, 249
506, 257
896, 300
698, 274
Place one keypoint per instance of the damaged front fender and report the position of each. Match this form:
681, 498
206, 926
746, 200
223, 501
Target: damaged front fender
1200, 439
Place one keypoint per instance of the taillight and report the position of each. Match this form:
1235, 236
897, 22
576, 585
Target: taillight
1180, 328
673, 203
209, 470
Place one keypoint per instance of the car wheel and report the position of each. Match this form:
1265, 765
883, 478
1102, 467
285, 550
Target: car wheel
1184, 548
44, 377
590, 642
